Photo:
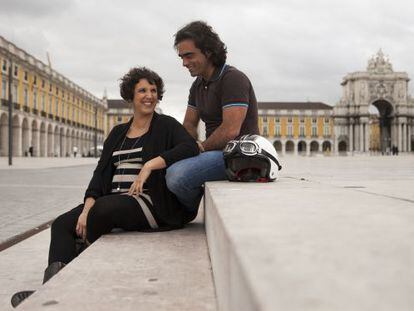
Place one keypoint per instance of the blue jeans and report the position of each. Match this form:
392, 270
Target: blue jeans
185, 178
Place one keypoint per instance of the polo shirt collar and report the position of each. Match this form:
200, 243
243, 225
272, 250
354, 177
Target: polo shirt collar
218, 72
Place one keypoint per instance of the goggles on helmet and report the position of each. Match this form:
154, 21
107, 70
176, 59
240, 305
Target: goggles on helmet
249, 148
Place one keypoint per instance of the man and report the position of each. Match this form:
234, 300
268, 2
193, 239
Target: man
222, 97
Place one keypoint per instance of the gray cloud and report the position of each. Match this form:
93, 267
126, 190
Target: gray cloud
34, 9
291, 50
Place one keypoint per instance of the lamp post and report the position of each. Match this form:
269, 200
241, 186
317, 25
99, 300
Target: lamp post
10, 112
95, 150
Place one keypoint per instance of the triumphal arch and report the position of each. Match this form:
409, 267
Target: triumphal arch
375, 112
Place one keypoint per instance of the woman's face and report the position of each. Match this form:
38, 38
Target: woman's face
145, 97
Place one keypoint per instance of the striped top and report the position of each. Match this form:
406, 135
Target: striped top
128, 163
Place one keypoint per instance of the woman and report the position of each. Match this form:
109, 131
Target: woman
128, 188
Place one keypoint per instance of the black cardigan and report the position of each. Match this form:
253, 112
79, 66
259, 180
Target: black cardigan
167, 138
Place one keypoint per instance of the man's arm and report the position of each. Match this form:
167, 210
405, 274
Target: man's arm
191, 120
229, 129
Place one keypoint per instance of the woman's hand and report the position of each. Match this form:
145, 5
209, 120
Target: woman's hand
137, 186
81, 224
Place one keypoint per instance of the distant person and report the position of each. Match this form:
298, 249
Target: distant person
75, 151
128, 188
31, 151
222, 97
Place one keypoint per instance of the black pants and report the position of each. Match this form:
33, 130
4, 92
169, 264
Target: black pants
108, 212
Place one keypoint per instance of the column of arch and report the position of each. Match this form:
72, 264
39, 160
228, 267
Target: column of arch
4, 138
17, 136
35, 140
50, 141
43, 140
68, 142
56, 142
25, 137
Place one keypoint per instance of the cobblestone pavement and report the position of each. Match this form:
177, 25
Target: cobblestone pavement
33, 196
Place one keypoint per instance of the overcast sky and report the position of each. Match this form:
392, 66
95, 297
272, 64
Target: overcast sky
291, 50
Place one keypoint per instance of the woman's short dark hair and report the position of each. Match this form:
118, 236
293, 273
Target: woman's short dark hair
128, 82
204, 39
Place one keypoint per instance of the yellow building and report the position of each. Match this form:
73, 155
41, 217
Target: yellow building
304, 128
119, 111
52, 116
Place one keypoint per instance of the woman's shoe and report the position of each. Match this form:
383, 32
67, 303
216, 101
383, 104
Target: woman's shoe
18, 297
50, 271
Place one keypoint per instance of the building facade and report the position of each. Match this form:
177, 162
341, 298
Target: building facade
52, 116
359, 130
300, 128
120, 111
374, 114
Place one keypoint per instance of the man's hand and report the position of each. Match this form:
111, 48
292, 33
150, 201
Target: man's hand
229, 129
200, 146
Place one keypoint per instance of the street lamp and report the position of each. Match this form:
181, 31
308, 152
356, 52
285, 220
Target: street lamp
10, 112
95, 151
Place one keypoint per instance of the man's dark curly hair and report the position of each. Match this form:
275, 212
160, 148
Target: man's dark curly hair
128, 82
204, 39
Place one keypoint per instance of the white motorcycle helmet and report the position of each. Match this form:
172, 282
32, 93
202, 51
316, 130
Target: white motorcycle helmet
251, 158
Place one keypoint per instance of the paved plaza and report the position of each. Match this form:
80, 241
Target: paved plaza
35, 190
33, 193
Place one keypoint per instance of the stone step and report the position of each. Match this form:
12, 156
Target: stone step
134, 271
302, 245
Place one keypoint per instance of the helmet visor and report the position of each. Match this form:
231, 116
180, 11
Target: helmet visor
246, 169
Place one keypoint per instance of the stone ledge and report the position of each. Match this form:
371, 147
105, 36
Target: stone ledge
134, 271
300, 245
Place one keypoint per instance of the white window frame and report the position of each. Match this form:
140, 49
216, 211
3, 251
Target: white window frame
4, 65
314, 131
